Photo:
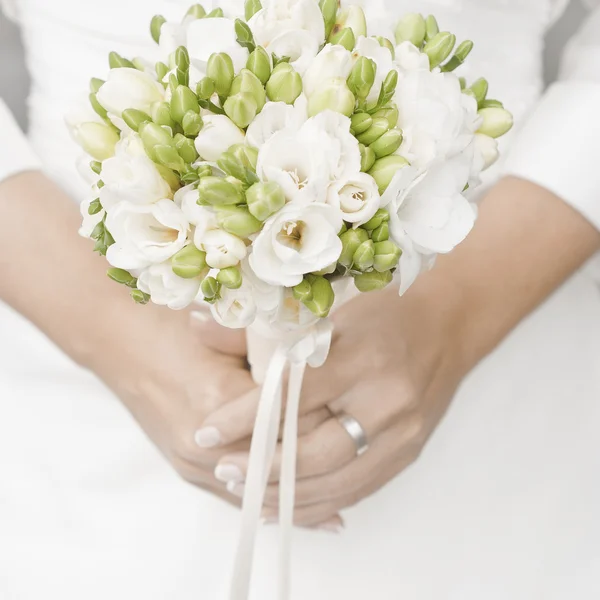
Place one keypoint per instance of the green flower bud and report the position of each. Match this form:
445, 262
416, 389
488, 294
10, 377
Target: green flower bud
216, 13
245, 155
385, 43
186, 148
439, 48
387, 256
251, 7
381, 234
244, 36
360, 122
333, 95
461, 54
231, 278
362, 77
303, 291
323, 296
96, 84
377, 129
463, 83
97, 139
373, 281
388, 143
183, 101
431, 28
215, 191
351, 240
367, 158
98, 108
241, 108
205, 88
489, 103
189, 262
210, 288
327, 270
388, 89
238, 221
154, 136
390, 113
191, 123
123, 277
161, 71
161, 114
411, 28
170, 177
381, 216
329, 10
249, 83
194, 13
496, 122
169, 157
284, 85
352, 17
116, 61
480, 89
140, 297
265, 199
364, 256
230, 165
259, 63
96, 166
384, 169
345, 38
220, 70
135, 118
182, 64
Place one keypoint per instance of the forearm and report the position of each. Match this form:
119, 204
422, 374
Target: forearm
525, 244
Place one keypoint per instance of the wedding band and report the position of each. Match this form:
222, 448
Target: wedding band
355, 431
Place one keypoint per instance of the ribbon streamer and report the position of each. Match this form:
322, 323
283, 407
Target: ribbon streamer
309, 348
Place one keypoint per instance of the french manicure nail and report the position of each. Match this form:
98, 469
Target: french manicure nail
201, 317
236, 488
208, 437
228, 473
330, 527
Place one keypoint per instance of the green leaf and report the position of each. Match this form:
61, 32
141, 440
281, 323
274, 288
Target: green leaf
95, 207
244, 35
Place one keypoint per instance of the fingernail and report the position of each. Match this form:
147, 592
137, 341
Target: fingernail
330, 528
208, 437
236, 488
229, 473
270, 520
201, 317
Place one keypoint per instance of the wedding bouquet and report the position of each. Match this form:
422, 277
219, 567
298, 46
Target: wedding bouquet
275, 162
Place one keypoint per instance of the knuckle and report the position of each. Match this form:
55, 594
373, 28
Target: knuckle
415, 433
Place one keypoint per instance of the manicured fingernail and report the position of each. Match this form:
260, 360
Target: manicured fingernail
229, 473
208, 437
270, 521
330, 527
236, 488
201, 317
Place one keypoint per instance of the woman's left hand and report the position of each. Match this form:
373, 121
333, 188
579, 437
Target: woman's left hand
394, 367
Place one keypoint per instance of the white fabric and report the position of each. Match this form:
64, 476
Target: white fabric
501, 505
16, 155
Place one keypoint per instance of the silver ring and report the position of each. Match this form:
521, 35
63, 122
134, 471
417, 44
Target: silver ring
355, 431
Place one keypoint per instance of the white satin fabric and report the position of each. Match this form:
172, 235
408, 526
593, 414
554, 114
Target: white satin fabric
501, 505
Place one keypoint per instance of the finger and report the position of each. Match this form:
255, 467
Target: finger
332, 524
218, 338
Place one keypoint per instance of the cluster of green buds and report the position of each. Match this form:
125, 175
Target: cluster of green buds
125, 278
343, 26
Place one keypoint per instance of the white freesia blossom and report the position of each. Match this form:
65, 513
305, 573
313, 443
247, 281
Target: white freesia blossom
332, 62
222, 249
486, 151
430, 208
275, 117
202, 218
370, 48
129, 88
279, 17
305, 161
166, 288
300, 45
145, 234
438, 121
296, 241
217, 135
131, 176
357, 197
410, 58
235, 309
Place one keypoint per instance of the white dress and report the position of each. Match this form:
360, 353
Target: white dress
504, 502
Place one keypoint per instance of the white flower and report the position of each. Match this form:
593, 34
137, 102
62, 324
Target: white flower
282, 16
132, 177
370, 48
236, 309
129, 88
145, 234
430, 208
301, 47
217, 136
437, 119
486, 151
201, 217
275, 117
410, 58
357, 198
222, 249
333, 62
166, 288
305, 161
296, 241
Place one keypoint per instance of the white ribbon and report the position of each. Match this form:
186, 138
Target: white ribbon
309, 348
